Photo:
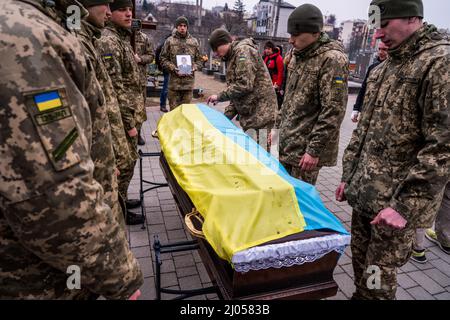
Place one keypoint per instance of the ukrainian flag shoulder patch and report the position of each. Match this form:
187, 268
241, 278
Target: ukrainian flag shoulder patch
107, 56
339, 80
47, 100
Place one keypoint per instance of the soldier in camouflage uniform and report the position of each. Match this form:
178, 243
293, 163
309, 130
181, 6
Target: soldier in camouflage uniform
91, 32
144, 56
397, 162
180, 43
315, 98
102, 152
249, 86
52, 214
123, 69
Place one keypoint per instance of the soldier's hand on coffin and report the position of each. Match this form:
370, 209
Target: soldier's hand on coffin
212, 99
133, 132
135, 295
340, 195
308, 162
391, 218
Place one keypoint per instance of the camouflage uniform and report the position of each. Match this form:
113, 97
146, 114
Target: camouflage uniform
249, 87
314, 106
118, 57
52, 213
144, 48
180, 88
102, 152
398, 156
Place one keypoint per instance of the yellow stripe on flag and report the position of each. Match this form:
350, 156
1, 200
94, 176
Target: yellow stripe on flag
47, 105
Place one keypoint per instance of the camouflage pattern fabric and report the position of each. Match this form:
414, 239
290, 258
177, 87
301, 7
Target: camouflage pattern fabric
314, 104
175, 45
124, 71
144, 48
52, 213
249, 87
102, 152
377, 252
398, 156
179, 97
306, 176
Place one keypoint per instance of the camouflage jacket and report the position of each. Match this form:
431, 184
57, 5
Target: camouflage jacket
398, 156
144, 48
123, 69
314, 104
124, 154
249, 87
52, 214
102, 152
179, 45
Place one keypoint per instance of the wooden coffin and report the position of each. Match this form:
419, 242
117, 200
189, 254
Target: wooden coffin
313, 280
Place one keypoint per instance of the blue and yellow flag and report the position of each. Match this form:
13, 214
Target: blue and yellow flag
48, 100
243, 193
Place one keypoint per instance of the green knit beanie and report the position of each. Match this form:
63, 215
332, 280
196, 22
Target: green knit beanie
181, 20
92, 3
395, 9
306, 18
219, 37
119, 4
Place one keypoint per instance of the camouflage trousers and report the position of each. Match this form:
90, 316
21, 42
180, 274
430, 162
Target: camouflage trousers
377, 252
127, 171
308, 177
179, 97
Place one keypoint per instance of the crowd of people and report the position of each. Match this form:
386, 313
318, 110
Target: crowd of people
73, 106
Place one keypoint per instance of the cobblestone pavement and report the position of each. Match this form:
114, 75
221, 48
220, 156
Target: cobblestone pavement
186, 271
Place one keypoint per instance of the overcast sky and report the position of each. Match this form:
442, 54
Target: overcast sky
436, 11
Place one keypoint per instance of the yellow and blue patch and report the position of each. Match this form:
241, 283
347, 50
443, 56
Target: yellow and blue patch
48, 100
339, 80
107, 56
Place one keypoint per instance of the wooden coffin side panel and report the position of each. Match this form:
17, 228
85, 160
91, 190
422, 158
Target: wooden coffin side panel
313, 280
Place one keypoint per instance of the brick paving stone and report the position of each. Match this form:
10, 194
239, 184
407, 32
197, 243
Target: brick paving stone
189, 283
426, 282
173, 223
139, 239
345, 283
167, 266
405, 281
169, 279
443, 296
402, 294
438, 276
176, 235
184, 261
148, 291
338, 296
154, 218
146, 266
188, 271
408, 267
442, 266
348, 270
141, 252
203, 273
419, 293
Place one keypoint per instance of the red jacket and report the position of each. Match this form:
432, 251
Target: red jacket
276, 68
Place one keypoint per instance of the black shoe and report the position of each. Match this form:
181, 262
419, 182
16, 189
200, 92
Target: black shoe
131, 204
134, 219
141, 141
163, 109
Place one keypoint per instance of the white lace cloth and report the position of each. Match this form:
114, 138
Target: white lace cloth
289, 253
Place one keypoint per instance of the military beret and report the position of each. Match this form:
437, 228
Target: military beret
219, 37
119, 4
306, 18
394, 9
92, 3
181, 20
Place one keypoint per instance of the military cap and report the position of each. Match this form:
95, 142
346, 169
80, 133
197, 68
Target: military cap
181, 20
92, 3
306, 18
394, 9
219, 37
119, 4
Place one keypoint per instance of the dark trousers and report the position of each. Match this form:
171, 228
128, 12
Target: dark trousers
164, 91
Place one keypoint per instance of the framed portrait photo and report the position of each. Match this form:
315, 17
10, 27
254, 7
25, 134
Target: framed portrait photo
184, 64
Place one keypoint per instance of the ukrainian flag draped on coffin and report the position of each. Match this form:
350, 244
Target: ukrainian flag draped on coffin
243, 193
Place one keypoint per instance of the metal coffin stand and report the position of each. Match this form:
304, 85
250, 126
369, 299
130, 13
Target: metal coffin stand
313, 280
